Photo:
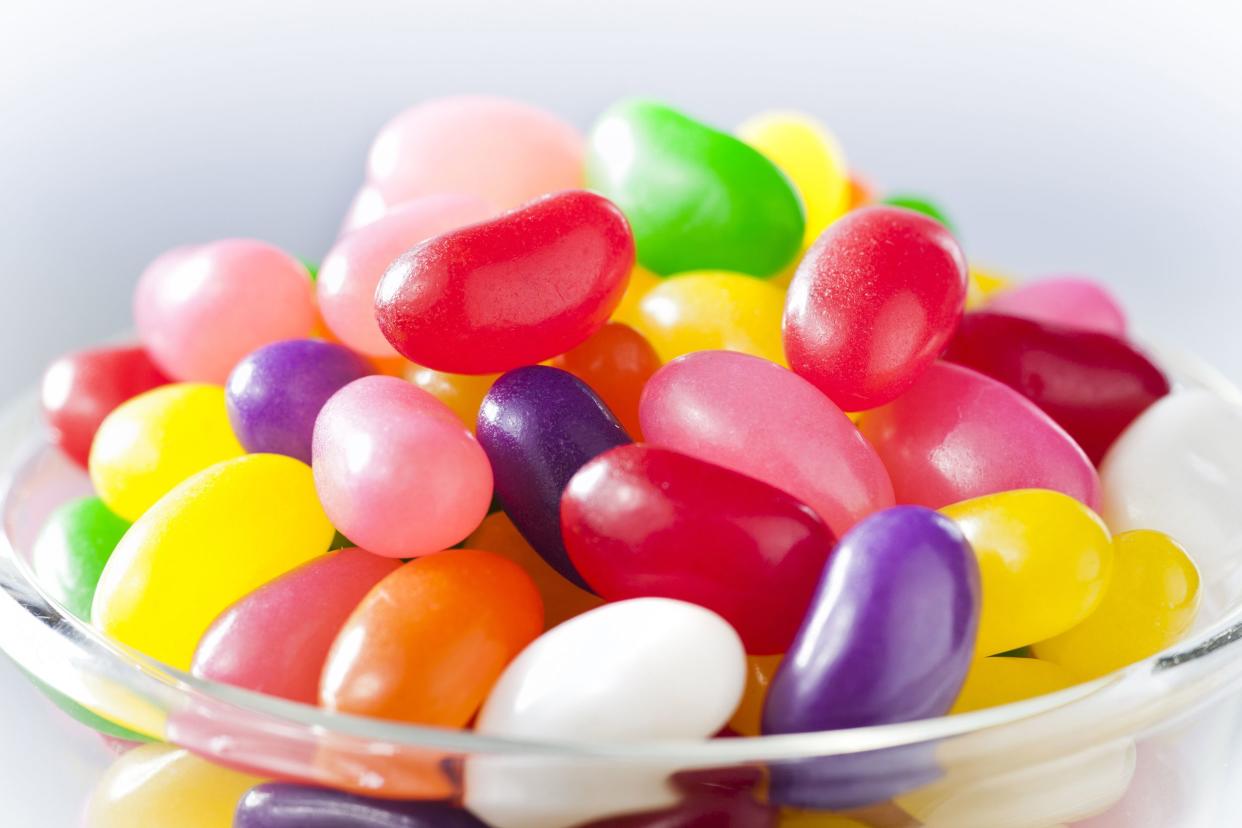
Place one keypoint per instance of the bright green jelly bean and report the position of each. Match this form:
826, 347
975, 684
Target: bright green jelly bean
71, 551
919, 204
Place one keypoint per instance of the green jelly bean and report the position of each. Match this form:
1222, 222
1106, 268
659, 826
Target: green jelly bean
919, 204
84, 715
697, 198
71, 551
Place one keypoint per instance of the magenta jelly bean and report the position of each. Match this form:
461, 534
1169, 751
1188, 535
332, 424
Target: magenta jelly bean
957, 434
1071, 301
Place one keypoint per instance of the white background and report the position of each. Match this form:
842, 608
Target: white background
1098, 137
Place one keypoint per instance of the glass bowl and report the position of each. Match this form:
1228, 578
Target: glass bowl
1155, 744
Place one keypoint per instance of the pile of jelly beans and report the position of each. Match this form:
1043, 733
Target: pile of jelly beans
657, 433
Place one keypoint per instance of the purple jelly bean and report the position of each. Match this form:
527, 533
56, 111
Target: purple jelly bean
538, 426
890, 632
282, 805
275, 393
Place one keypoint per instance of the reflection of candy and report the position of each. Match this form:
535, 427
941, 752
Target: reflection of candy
280, 805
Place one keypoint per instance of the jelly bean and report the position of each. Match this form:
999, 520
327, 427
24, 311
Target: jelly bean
274, 395
812, 158
861, 658
159, 786
644, 521
616, 363
429, 641
1001, 680
281, 805
502, 151
108, 730
697, 198
641, 281
397, 471
199, 310
367, 206
737, 811
515, 290
746, 414
1045, 560
862, 192
352, 269
81, 389
988, 282
71, 551
957, 434
873, 303
275, 640
156, 440
1178, 469
647, 668
561, 599
218, 536
1092, 384
714, 311
920, 204
747, 718
539, 425
1150, 603
462, 393
1071, 301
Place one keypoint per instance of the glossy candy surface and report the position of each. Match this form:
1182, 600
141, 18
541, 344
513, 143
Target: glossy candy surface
216, 537
539, 425
697, 198
998, 680
282, 805
641, 281
515, 290
71, 550
275, 640
354, 266
1149, 605
274, 394
367, 206
920, 204
156, 440
757, 418
384, 448
644, 521
429, 640
713, 310
462, 393
615, 363
1071, 301
200, 309
862, 657
873, 303
957, 434
502, 151
80, 389
747, 719
1091, 384
1045, 560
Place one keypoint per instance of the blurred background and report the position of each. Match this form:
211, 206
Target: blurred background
1101, 138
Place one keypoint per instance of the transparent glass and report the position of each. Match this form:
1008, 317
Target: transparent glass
1156, 744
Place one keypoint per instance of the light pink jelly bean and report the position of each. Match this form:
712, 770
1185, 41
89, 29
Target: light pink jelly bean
755, 417
396, 471
1064, 300
200, 309
505, 152
956, 434
368, 205
353, 268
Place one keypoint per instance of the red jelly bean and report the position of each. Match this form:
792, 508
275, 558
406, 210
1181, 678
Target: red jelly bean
643, 521
616, 363
1092, 384
80, 389
512, 291
873, 303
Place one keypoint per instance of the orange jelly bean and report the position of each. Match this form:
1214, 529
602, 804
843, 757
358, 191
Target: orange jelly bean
749, 714
429, 641
463, 393
616, 363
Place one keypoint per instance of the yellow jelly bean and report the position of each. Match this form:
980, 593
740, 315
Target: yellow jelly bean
1150, 603
793, 818
160, 786
152, 442
1044, 562
982, 284
713, 310
215, 538
641, 282
463, 393
749, 714
812, 159
1002, 679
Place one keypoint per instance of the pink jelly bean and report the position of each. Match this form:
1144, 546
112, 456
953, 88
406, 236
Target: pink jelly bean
396, 470
367, 206
303, 610
353, 268
505, 152
956, 434
757, 418
200, 309
1071, 301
